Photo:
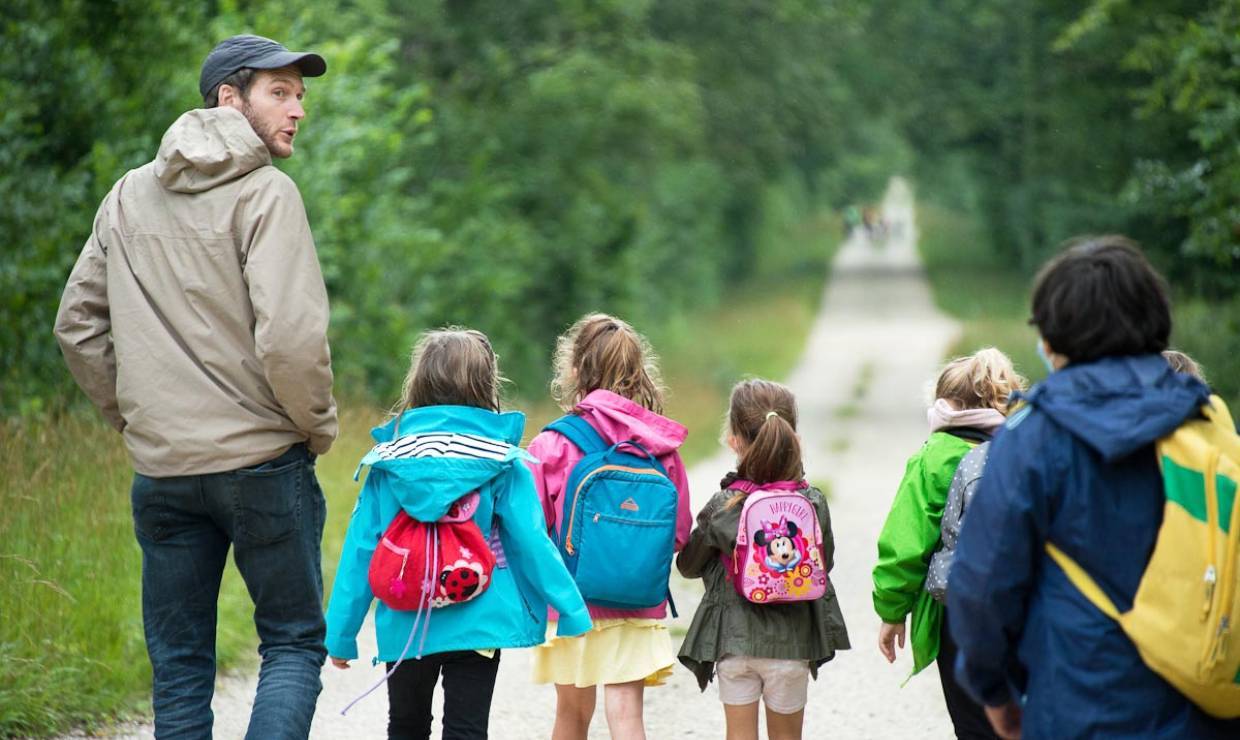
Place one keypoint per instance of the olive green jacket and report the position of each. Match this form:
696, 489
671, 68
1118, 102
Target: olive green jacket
727, 624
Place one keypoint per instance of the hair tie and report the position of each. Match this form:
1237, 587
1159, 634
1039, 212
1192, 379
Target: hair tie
769, 414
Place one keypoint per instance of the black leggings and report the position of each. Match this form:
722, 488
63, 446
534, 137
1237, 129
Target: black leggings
468, 683
968, 717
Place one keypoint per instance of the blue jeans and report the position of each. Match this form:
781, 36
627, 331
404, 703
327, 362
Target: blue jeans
272, 515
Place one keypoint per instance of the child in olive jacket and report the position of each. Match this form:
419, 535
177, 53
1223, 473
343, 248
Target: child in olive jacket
765, 651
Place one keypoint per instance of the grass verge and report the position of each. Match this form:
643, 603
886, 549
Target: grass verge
971, 283
71, 648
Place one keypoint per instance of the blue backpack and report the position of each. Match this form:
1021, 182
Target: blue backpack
619, 521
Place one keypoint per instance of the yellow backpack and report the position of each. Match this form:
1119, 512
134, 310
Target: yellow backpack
1186, 605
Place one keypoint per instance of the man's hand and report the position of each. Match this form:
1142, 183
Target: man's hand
340, 663
887, 636
1006, 720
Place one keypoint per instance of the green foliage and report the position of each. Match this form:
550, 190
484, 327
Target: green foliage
503, 165
1037, 120
1209, 331
76, 114
973, 283
1050, 120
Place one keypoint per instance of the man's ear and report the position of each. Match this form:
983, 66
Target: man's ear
229, 96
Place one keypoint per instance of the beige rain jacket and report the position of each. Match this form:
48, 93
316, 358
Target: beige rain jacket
196, 315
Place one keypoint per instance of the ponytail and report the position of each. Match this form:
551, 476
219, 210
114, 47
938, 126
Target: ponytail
774, 454
763, 417
601, 351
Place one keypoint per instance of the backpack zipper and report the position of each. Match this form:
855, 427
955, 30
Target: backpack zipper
1211, 575
1219, 628
568, 537
1226, 605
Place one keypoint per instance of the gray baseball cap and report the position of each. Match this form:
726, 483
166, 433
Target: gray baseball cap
255, 52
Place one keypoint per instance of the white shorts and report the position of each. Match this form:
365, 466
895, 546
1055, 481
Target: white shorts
782, 684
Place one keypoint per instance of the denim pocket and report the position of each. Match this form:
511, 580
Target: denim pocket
151, 515
267, 502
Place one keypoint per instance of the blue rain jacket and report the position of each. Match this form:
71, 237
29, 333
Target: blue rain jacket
512, 612
1075, 466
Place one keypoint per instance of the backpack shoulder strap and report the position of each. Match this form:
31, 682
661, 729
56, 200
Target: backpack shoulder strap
1084, 583
578, 431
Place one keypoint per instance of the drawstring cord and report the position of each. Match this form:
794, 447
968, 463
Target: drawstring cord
424, 607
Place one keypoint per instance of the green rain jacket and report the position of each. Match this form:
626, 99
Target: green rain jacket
909, 537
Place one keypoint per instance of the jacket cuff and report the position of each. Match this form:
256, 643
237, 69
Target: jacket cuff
888, 612
577, 623
339, 646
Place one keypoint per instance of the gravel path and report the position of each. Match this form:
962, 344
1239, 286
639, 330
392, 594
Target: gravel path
861, 385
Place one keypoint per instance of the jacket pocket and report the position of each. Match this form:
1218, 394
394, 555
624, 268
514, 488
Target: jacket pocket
267, 502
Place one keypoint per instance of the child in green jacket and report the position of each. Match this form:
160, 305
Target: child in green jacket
971, 398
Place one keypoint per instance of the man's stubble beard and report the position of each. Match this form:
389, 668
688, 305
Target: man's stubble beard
265, 134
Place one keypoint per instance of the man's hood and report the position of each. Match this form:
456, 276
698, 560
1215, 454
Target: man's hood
1118, 405
616, 418
208, 147
440, 453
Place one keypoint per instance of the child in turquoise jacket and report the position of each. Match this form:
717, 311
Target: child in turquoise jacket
450, 440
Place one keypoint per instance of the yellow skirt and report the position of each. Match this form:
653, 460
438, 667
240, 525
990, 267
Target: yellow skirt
614, 651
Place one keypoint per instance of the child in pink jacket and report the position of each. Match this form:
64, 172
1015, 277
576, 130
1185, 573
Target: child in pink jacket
605, 373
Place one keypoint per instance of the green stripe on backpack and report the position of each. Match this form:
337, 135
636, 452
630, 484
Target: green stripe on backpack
1187, 603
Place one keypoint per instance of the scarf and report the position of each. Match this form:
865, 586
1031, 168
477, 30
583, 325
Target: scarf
942, 416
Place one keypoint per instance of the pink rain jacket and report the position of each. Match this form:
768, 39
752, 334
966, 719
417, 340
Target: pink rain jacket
615, 418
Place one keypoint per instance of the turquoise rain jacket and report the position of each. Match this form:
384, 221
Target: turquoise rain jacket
512, 612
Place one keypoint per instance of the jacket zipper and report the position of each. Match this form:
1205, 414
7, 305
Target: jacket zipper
568, 537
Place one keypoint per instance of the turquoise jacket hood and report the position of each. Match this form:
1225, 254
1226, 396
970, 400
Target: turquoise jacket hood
440, 480
423, 461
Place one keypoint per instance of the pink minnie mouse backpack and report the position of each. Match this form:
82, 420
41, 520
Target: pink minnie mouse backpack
778, 554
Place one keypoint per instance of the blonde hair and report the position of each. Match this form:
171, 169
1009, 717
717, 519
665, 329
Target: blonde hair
601, 351
762, 415
1182, 363
452, 366
984, 379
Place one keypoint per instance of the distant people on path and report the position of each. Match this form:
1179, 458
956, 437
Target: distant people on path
764, 649
875, 225
851, 219
971, 398
1075, 467
449, 440
606, 377
196, 320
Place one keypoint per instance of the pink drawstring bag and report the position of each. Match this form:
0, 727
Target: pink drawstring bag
420, 566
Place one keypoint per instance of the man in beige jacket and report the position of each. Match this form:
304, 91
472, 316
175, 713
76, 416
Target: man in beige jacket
196, 320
